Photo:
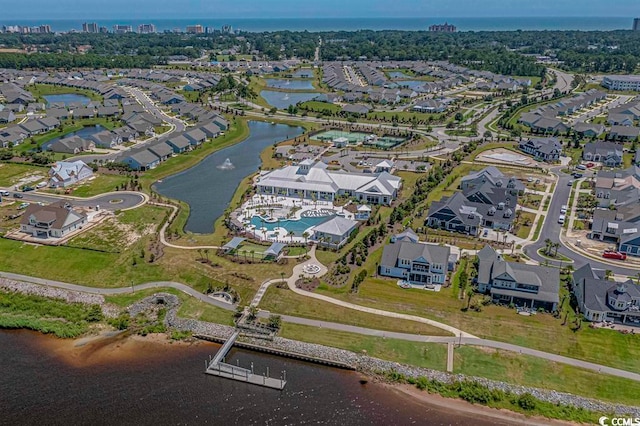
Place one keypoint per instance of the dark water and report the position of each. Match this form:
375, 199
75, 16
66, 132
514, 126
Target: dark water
208, 189
589, 23
165, 385
282, 100
85, 132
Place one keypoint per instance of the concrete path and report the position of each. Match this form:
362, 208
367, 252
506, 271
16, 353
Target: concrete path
464, 340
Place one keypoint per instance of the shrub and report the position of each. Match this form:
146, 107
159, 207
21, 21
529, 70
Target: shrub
526, 401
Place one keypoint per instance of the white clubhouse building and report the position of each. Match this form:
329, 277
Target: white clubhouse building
309, 180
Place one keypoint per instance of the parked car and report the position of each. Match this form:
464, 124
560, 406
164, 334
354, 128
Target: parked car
41, 185
23, 206
577, 175
581, 167
28, 188
561, 219
570, 183
564, 208
485, 233
18, 195
590, 165
612, 254
5, 193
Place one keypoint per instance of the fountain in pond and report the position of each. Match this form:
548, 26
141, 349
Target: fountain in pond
227, 165
286, 97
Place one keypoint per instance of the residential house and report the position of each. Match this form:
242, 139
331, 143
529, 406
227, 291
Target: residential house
495, 177
618, 187
196, 136
603, 300
7, 116
179, 143
142, 161
33, 127
72, 145
623, 133
545, 149
211, 130
162, 150
363, 212
520, 284
620, 120
589, 130
106, 139
53, 221
607, 153
419, 264
66, 173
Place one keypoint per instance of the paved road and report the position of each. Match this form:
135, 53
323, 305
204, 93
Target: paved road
330, 325
120, 200
551, 230
176, 124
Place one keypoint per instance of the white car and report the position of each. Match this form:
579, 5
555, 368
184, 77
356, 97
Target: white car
41, 185
563, 210
561, 219
5, 193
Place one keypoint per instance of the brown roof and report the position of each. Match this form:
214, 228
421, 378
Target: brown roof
54, 213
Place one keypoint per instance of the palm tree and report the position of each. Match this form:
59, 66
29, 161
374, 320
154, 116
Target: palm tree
608, 274
291, 234
206, 253
556, 246
547, 244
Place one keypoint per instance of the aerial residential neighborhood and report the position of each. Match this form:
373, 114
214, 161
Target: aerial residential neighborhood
431, 223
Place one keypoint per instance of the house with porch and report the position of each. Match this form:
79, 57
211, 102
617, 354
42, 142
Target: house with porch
545, 149
53, 221
179, 143
603, 300
66, 173
522, 285
607, 153
141, 161
417, 263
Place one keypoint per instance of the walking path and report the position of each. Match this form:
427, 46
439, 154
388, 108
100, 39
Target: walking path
465, 339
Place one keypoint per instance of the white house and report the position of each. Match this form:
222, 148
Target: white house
65, 173
334, 232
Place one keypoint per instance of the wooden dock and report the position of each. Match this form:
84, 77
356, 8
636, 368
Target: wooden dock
217, 367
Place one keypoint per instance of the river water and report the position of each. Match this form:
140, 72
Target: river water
208, 189
165, 384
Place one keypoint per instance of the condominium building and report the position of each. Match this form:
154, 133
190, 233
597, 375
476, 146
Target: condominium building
444, 28
90, 27
122, 29
146, 29
636, 24
622, 82
195, 29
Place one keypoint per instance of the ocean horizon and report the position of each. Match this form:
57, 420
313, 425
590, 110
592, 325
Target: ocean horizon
353, 24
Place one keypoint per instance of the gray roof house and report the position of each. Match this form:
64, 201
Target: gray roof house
334, 232
422, 265
163, 150
608, 153
143, 160
529, 286
625, 133
494, 176
72, 145
618, 187
603, 300
545, 149
196, 136
211, 130
179, 143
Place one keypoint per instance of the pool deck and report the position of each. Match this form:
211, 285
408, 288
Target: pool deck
280, 208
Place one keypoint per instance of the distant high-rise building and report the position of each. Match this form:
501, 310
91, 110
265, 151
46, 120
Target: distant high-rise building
195, 29
227, 29
444, 28
103, 30
636, 24
40, 29
89, 27
146, 29
122, 29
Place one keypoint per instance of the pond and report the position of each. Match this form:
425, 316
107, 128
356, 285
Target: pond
208, 189
289, 84
282, 100
303, 73
411, 84
85, 132
398, 74
67, 98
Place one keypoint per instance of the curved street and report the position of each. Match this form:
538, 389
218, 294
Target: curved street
120, 200
551, 230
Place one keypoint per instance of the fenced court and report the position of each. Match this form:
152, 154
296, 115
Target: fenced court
330, 135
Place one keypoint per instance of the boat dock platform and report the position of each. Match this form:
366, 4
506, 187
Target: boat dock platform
217, 367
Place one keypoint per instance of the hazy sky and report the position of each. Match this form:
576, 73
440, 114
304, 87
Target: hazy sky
211, 9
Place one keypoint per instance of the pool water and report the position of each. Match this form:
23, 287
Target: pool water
297, 226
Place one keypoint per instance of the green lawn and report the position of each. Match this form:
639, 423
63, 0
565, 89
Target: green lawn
11, 173
525, 230
39, 90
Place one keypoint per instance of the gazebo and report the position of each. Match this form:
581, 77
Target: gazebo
232, 245
274, 250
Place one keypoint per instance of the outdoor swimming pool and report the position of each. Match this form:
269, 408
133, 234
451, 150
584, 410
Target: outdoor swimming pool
297, 226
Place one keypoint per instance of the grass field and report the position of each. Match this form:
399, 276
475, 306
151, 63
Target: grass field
11, 173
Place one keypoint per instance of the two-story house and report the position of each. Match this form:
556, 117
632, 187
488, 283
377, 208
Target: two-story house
603, 300
545, 149
419, 264
53, 221
523, 285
